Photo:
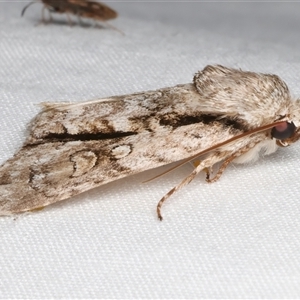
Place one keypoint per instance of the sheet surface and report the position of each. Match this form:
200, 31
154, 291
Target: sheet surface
237, 238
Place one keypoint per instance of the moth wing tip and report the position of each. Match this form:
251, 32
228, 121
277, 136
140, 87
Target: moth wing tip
6, 213
52, 105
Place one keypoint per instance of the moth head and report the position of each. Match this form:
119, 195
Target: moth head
285, 133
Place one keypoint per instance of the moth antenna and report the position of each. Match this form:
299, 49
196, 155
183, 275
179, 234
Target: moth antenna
24, 9
242, 135
166, 172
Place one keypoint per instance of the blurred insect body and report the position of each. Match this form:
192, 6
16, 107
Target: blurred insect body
81, 8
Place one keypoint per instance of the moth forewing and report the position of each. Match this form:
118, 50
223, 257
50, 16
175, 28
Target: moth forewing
72, 148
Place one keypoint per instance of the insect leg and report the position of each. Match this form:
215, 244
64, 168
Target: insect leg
69, 19
43, 15
221, 169
207, 171
110, 26
79, 20
227, 161
205, 164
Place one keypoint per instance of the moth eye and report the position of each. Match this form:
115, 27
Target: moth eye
283, 131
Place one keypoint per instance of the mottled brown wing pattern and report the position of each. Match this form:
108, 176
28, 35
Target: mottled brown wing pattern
72, 148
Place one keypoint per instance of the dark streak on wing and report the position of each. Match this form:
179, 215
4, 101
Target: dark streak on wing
67, 137
182, 120
166, 120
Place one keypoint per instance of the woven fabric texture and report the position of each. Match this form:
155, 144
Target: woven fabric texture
237, 238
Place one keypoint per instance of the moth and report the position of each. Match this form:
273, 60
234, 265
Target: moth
80, 8
223, 116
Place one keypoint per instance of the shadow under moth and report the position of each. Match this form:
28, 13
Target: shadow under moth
80, 8
225, 115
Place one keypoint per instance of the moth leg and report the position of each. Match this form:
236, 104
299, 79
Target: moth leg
79, 20
43, 15
221, 169
207, 171
69, 19
227, 161
110, 26
44, 21
205, 164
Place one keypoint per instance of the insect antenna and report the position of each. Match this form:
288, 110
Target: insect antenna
24, 9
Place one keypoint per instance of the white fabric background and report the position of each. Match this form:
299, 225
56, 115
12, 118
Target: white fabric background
239, 237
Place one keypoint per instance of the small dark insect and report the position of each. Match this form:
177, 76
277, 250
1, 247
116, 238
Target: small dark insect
80, 8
